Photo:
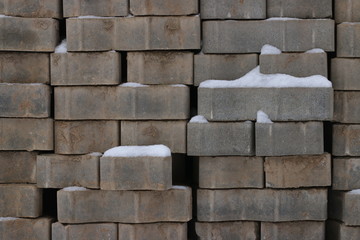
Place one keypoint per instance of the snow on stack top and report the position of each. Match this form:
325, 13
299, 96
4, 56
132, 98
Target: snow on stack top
199, 119
139, 151
74, 189
62, 47
262, 117
269, 49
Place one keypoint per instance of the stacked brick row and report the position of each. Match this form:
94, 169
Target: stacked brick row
264, 179
27, 37
344, 197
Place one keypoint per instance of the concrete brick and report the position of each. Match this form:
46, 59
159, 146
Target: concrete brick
228, 230
289, 138
82, 137
295, 64
31, 8
225, 66
158, 33
18, 167
135, 173
345, 173
344, 73
298, 171
261, 205
154, 231
346, 106
220, 139
170, 133
345, 206
233, 9
299, 8
20, 67
25, 100
292, 104
347, 36
347, 11
122, 102
20, 200
250, 36
293, 231
346, 140
231, 172
95, 231
26, 134
26, 229
28, 34
164, 7
105, 8
338, 231
90, 34
124, 206
103, 68
59, 171
160, 67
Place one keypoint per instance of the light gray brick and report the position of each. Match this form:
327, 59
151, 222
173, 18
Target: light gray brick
82, 137
20, 200
346, 106
293, 104
124, 206
31, 8
345, 173
346, 140
289, 138
122, 102
220, 139
105, 8
233, 9
298, 171
170, 133
339, 231
160, 67
25, 100
26, 229
231, 172
299, 8
345, 206
249, 36
261, 205
293, 230
347, 35
20, 67
153, 231
94, 68
228, 230
224, 66
26, 134
95, 231
18, 167
28, 34
295, 64
164, 7
347, 11
59, 171
344, 73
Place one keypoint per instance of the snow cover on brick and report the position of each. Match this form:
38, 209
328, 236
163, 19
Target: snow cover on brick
269, 49
139, 151
315, 50
3, 219
62, 47
355, 192
198, 119
74, 189
132, 84
255, 79
262, 117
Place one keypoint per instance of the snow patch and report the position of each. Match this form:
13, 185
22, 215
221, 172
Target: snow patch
132, 84
281, 19
356, 192
5, 16
255, 79
74, 189
262, 117
315, 50
91, 16
179, 187
3, 219
62, 47
139, 151
95, 154
178, 85
198, 119
269, 49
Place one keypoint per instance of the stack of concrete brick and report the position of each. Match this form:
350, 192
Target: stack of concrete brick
136, 199
28, 33
344, 197
267, 179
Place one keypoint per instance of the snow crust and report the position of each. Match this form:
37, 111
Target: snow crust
178, 85
62, 47
5, 16
179, 187
281, 19
139, 151
269, 49
315, 50
95, 154
132, 84
74, 189
262, 117
3, 219
356, 192
255, 79
198, 119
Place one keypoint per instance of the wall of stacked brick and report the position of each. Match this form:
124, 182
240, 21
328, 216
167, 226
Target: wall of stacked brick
272, 155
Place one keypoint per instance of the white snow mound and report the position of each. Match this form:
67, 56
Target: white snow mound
269, 49
132, 84
198, 119
3, 219
262, 117
315, 50
62, 47
74, 189
139, 151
